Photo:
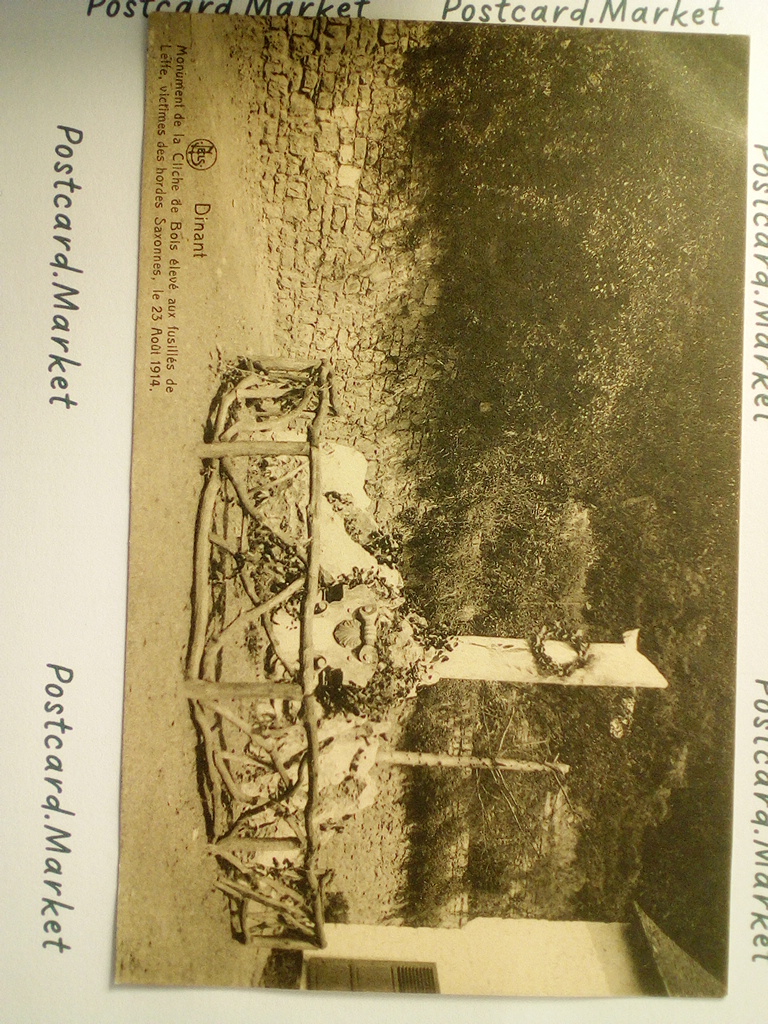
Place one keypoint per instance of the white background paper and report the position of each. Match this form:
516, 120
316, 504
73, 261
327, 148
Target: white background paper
64, 530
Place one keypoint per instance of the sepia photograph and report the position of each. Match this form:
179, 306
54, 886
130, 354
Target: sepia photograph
434, 509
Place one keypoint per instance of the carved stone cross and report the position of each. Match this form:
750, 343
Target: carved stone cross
497, 659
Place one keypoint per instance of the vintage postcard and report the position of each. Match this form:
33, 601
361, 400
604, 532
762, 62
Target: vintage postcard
432, 610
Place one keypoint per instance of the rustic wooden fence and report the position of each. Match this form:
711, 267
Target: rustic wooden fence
253, 769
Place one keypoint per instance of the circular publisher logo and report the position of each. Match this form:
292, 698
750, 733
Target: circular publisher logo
201, 154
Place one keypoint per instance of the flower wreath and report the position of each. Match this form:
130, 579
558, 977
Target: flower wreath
549, 666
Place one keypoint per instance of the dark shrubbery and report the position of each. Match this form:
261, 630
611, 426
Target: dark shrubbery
585, 190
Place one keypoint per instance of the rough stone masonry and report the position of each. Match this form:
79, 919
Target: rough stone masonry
339, 189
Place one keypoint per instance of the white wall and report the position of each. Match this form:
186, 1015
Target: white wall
517, 957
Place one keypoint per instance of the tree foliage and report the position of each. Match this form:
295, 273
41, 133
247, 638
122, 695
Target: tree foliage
585, 192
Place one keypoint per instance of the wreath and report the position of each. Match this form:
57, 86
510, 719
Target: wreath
558, 631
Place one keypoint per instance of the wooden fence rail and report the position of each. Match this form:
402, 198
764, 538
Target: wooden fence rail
292, 914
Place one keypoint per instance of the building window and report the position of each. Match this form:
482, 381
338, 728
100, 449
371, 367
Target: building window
336, 975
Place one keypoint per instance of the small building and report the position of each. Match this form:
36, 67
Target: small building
520, 957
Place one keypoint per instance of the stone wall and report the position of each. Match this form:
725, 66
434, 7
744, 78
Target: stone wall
340, 196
